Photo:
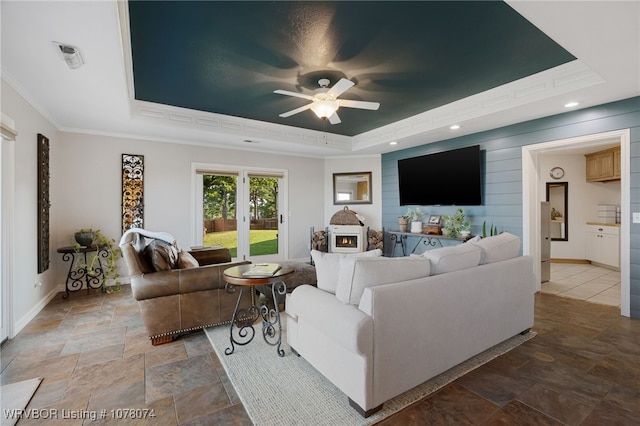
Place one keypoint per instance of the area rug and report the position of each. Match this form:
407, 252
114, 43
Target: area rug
14, 397
289, 391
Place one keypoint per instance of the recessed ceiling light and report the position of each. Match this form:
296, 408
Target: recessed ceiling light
393, 143
571, 104
455, 127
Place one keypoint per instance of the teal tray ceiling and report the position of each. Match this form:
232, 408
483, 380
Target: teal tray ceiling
229, 57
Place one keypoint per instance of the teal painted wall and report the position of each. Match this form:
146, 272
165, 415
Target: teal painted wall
502, 170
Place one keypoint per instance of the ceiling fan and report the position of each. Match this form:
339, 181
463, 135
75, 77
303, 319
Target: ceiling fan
325, 102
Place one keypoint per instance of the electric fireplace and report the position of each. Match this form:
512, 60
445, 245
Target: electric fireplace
346, 238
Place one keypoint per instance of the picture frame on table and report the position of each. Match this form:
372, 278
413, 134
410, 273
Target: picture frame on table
434, 220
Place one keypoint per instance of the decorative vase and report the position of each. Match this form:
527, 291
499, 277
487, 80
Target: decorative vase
416, 227
84, 238
403, 223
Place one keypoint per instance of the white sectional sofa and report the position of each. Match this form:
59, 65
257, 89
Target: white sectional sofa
377, 327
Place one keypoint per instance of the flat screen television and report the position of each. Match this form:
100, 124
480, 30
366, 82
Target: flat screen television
444, 178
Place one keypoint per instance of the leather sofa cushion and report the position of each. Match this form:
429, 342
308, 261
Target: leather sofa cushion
327, 266
356, 274
498, 247
161, 256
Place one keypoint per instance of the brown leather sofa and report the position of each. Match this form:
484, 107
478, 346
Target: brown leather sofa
180, 300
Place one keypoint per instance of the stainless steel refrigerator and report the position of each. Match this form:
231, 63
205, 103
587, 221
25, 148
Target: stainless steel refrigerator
545, 241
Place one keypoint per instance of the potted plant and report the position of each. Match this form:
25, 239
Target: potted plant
104, 263
455, 225
492, 231
415, 217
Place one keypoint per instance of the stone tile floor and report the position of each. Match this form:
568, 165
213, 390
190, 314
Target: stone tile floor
581, 369
585, 282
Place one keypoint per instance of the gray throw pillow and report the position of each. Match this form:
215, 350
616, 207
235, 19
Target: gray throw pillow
161, 255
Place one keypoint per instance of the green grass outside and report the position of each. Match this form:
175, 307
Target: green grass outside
261, 242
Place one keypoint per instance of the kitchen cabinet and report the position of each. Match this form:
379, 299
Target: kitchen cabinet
603, 165
602, 244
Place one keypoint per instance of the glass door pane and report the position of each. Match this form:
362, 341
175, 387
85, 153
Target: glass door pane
219, 201
264, 218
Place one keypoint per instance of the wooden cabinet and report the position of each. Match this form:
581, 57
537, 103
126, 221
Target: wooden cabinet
603, 165
616, 163
602, 244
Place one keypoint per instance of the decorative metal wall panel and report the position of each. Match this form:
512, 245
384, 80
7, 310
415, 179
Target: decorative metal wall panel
43, 203
132, 191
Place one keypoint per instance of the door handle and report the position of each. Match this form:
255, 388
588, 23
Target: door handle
281, 219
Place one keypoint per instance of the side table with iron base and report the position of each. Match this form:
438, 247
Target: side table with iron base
241, 331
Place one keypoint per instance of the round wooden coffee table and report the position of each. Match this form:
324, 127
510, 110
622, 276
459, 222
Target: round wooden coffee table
250, 275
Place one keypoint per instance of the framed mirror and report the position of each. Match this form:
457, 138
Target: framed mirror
352, 188
558, 198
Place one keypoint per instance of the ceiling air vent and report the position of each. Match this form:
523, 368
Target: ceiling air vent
70, 54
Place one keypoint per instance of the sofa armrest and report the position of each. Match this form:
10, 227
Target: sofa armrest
206, 277
155, 284
343, 323
180, 281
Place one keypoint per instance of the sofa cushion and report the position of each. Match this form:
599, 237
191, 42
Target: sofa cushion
161, 255
186, 260
498, 247
327, 266
453, 258
356, 274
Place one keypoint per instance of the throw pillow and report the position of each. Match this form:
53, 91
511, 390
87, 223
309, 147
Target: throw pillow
498, 247
161, 255
453, 258
186, 260
356, 274
327, 266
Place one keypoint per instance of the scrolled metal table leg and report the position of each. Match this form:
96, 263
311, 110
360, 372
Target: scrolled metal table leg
75, 277
243, 320
271, 318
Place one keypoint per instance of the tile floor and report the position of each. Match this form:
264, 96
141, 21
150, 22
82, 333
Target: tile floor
581, 369
585, 282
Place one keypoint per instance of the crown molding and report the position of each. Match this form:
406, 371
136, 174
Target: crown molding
556, 81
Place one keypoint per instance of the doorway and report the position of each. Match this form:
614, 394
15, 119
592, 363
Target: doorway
241, 209
532, 196
6, 229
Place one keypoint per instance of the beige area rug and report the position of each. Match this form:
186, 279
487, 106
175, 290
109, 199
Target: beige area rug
14, 397
289, 391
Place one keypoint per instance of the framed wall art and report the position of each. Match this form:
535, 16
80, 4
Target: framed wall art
43, 203
132, 191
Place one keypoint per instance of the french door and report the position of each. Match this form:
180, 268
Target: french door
241, 209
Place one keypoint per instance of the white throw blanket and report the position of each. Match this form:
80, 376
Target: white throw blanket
137, 236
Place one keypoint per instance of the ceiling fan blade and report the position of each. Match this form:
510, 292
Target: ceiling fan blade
297, 95
358, 104
334, 119
295, 111
340, 87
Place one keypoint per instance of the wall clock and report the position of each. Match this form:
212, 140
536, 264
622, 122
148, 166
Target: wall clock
557, 172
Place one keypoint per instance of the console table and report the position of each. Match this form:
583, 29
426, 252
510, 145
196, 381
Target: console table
80, 275
400, 239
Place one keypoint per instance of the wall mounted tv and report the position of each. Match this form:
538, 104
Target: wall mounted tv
444, 178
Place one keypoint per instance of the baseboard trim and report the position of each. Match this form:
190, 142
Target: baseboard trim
26, 319
576, 261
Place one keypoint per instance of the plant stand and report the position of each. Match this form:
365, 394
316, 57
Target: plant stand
80, 275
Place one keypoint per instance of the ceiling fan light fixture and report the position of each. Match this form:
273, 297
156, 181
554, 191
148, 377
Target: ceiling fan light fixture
324, 109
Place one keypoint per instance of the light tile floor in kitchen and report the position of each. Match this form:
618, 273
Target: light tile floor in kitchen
585, 282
